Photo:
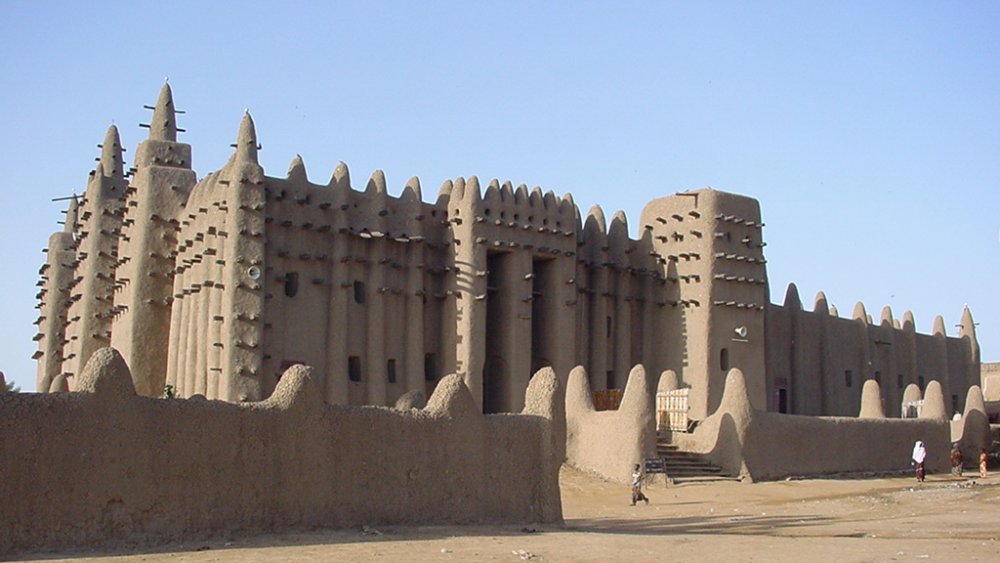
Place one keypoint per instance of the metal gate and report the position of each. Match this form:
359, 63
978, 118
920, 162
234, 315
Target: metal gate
672, 410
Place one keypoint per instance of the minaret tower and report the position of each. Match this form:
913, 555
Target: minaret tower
967, 331
88, 326
57, 275
160, 186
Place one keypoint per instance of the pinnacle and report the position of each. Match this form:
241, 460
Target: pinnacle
163, 126
246, 140
111, 154
72, 215
297, 168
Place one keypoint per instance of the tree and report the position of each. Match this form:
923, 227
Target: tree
12, 387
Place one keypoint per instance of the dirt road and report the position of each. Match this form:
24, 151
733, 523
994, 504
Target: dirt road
882, 519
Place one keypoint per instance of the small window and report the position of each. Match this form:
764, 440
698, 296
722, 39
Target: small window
954, 403
848, 378
724, 359
430, 367
899, 381
609, 381
354, 368
359, 292
920, 382
291, 284
878, 378
390, 370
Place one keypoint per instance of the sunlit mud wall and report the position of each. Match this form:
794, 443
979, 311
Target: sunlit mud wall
104, 465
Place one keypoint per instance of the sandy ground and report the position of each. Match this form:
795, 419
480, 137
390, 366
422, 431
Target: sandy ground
879, 519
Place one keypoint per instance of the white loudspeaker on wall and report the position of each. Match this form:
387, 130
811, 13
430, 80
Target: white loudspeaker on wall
741, 331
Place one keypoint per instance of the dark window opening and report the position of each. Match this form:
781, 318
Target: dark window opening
920, 382
390, 370
954, 403
291, 284
899, 381
359, 292
848, 378
783, 400
354, 368
724, 359
430, 367
878, 378
610, 379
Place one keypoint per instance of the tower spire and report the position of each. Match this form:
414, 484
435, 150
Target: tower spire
968, 326
72, 215
163, 126
111, 154
246, 140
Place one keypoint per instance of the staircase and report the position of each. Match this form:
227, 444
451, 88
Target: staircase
688, 467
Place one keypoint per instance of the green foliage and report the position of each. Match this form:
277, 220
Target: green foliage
168, 392
12, 387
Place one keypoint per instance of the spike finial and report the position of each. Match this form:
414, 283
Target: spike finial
297, 169
111, 154
968, 326
246, 140
72, 215
163, 126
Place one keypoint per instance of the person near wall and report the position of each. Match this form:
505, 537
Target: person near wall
919, 456
637, 478
983, 461
956, 460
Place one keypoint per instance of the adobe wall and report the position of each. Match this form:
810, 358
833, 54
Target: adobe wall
155, 470
609, 443
766, 445
822, 360
990, 381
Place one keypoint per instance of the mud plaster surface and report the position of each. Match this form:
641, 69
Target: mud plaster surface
879, 519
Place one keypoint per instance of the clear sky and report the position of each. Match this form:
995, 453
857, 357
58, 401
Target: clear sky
869, 131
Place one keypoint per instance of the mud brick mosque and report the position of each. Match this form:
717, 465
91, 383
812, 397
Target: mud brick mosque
215, 286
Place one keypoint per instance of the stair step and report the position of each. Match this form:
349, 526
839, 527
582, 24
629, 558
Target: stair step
704, 479
693, 471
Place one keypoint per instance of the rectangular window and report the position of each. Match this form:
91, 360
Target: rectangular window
899, 381
390, 370
354, 368
430, 367
848, 378
359, 292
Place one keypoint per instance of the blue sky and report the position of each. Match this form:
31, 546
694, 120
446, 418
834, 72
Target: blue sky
869, 131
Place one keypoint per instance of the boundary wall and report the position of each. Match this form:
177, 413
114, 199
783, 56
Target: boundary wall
609, 443
765, 445
105, 465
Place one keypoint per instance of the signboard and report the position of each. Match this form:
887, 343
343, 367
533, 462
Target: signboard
655, 465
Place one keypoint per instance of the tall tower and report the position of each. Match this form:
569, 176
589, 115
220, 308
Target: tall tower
160, 186
714, 239
57, 275
88, 326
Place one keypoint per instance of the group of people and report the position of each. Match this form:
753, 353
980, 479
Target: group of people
920, 456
